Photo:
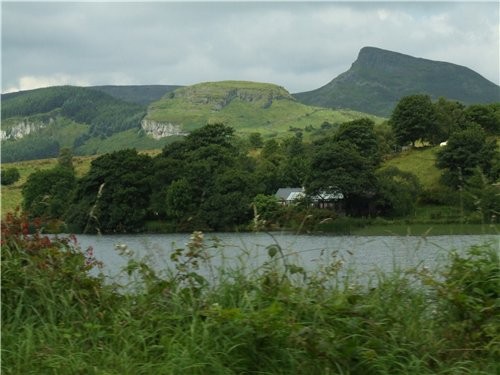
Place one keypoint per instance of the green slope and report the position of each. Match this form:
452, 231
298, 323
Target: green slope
246, 106
421, 162
139, 94
379, 78
37, 123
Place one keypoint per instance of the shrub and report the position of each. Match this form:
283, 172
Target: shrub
9, 176
40, 273
469, 295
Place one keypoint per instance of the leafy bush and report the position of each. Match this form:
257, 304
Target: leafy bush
9, 176
469, 297
40, 273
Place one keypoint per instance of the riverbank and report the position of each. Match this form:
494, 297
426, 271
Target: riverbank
427, 229
344, 225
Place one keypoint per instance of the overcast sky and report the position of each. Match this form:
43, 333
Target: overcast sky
298, 45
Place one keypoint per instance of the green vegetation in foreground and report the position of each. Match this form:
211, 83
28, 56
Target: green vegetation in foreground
246, 106
59, 319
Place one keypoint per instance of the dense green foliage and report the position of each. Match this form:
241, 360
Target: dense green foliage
214, 186
113, 196
396, 192
29, 148
378, 79
416, 118
46, 193
9, 176
466, 151
59, 318
337, 166
413, 119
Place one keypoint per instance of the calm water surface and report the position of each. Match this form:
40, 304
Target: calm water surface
362, 255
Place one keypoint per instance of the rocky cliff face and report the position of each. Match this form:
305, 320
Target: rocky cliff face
220, 94
159, 130
22, 129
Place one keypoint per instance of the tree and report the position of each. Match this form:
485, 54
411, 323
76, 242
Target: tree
214, 180
413, 119
211, 134
229, 202
294, 165
179, 200
338, 166
9, 176
396, 192
482, 196
450, 117
114, 195
267, 207
255, 140
65, 158
361, 134
386, 140
46, 193
485, 116
467, 150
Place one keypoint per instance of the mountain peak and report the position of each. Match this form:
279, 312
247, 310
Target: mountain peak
379, 78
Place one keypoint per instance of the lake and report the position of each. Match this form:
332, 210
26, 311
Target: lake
363, 255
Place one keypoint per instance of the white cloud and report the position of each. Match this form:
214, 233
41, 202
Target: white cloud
33, 82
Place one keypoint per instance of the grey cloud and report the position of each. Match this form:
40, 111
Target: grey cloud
298, 45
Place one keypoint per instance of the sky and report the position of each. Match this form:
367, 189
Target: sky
298, 45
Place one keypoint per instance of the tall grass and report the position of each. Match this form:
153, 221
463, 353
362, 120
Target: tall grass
59, 319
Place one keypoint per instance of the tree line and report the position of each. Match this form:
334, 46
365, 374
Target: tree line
209, 181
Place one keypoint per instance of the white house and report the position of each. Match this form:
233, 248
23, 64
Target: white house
323, 199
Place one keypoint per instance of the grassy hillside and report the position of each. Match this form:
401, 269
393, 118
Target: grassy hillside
246, 106
37, 123
139, 94
378, 79
132, 138
103, 112
11, 196
420, 162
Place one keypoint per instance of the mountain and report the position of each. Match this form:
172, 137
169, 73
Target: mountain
37, 123
378, 79
92, 120
246, 106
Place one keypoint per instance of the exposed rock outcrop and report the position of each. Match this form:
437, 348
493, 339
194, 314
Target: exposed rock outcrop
22, 129
159, 130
